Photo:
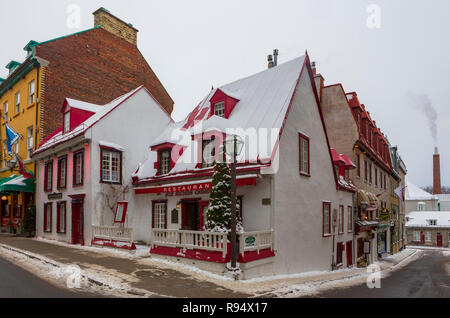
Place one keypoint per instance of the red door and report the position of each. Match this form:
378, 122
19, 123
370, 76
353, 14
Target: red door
422, 238
349, 253
439, 240
77, 224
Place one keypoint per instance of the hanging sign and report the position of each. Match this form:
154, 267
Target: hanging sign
121, 212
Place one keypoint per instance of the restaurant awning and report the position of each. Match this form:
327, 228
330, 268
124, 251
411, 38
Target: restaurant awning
17, 184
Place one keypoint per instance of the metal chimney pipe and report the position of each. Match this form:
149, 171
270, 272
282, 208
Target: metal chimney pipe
270, 60
275, 57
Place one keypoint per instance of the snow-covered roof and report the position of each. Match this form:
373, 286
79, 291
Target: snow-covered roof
99, 113
422, 218
443, 197
414, 193
83, 105
264, 99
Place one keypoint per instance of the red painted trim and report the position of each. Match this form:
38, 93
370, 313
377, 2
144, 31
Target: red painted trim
193, 187
125, 208
46, 216
74, 163
114, 244
58, 217
59, 185
77, 196
48, 165
304, 137
254, 256
166, 145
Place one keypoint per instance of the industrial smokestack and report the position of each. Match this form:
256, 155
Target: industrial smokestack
436, 172
270, 60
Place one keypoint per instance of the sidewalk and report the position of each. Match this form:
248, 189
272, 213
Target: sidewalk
140, 275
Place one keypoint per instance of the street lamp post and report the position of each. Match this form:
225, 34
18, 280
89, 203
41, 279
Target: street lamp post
234, 150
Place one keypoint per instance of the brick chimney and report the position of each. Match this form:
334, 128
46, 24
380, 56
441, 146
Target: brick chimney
114, 25
436, 172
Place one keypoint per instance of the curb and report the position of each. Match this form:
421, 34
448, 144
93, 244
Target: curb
85, 276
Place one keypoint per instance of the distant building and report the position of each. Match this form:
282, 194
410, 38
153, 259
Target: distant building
419, 200
444, 202
428, 228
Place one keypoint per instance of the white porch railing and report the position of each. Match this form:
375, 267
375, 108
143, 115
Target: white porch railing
249, 241
113, 233
256, 241
191, 240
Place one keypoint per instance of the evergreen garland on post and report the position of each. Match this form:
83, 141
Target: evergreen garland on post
219, 211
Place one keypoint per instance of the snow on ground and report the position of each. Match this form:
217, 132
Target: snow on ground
71, 275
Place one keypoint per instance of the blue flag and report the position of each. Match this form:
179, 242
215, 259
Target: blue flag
12, 137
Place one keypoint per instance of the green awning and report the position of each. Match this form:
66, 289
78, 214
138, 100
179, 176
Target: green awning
17, 184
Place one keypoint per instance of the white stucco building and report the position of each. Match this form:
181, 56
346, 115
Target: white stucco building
85, 168
419, 200
288, 186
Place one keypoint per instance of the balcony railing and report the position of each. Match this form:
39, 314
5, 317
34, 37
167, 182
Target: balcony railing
113, 233
210, 241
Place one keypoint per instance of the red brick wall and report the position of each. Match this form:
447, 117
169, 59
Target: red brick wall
436, 175
94, 66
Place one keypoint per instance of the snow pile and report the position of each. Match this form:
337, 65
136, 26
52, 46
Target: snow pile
414, 193
423, 218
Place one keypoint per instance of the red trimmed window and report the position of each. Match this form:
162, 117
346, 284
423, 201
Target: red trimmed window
159, 215
48, 176
164, 161
222, 105
341, 219
365, 170
304, 151
61, 217
339, 250
326, 212
376, 177
111, 166
370, 173
219, 109
349, 219
62, 173
78, 168
48, 217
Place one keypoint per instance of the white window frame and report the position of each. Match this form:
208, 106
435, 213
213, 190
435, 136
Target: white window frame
432, 222
111, 172
66, 122
327, 220
416, 236
208, 157
164, 161
31, 92
160, 211
341, 219
350, 219
219, 109
5, 111
427, 236
17, 103
30, 141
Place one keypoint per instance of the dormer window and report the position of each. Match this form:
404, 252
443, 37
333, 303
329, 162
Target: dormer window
219, 109
432, 222
164, 161
67, 122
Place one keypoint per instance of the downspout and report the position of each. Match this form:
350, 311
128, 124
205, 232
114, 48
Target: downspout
272, 209
38, 102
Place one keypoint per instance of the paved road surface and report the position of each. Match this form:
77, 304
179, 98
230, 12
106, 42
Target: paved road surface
16, 282
429, 276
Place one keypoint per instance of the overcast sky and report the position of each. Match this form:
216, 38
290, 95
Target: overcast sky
400, 65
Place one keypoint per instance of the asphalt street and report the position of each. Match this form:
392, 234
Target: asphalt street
16, 282
428, 276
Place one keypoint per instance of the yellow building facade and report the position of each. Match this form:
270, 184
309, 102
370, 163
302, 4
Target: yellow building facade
19, 105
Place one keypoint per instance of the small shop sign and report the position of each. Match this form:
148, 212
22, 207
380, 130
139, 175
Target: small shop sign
250, 241
55, 196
